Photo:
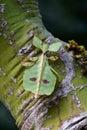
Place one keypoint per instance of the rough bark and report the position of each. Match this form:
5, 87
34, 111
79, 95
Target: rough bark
66, 108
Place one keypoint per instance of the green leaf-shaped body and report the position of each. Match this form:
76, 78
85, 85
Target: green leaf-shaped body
39, 79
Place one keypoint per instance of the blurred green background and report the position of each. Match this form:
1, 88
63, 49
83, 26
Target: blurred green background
65, 19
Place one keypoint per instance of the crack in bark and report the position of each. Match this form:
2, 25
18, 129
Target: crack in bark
76, 123
66, 84
35, 115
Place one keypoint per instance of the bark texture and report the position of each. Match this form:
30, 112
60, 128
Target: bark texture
66, 108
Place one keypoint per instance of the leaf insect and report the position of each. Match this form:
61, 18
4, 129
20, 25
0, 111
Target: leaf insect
39, 78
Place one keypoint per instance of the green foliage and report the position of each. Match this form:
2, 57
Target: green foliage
39, 79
